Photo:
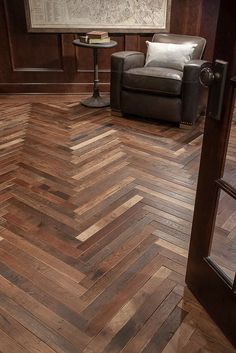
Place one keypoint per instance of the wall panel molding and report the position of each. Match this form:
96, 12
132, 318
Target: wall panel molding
42, 62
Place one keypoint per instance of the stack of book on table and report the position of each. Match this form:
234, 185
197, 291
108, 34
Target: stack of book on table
95, 37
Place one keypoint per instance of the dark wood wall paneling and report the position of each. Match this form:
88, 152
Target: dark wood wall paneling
40, 63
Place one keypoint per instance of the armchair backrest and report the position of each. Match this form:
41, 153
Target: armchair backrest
182, 39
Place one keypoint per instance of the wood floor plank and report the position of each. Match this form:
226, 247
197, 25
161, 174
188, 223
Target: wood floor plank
116, 333
21, 335
43, 256
48, 317
147, 332
7, 344
165, 333
26, 319
58, 291
95, 221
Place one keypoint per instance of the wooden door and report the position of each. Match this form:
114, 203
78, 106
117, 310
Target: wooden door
212, 257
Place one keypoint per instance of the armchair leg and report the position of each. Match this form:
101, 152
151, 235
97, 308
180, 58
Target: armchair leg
186, 125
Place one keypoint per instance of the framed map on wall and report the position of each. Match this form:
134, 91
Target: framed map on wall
124, 16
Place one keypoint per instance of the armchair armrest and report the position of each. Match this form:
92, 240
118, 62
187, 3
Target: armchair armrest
192, 91
120, 62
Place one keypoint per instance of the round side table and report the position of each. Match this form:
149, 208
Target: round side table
96, 101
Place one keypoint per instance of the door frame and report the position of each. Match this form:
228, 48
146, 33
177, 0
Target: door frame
204, 278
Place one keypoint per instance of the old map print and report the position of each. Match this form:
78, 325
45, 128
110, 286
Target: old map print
110, 14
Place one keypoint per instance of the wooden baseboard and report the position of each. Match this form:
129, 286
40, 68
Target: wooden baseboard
53, 88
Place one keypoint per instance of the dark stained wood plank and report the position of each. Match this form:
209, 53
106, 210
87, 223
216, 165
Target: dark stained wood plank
95, 217
22, 336
9, 345
166, 331
51, 338
42, 313
154, 323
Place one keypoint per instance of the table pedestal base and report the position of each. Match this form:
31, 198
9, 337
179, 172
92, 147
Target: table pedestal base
96, 102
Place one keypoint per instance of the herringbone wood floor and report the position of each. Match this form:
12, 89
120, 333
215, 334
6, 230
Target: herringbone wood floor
95, 218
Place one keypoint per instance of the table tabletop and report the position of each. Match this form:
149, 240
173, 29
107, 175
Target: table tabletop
110, 44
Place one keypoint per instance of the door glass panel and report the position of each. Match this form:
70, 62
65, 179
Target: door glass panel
223, 250
230, 166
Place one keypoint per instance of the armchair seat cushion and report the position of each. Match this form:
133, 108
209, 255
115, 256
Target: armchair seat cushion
153, 80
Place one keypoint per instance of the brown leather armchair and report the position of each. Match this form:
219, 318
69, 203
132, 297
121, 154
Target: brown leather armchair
159, 92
